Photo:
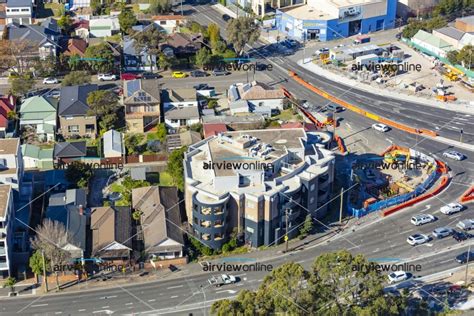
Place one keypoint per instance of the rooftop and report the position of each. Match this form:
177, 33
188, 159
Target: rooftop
9, 146
306, 12
432, 40
179, 95
451, 32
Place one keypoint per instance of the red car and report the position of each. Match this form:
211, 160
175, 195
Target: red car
129, 76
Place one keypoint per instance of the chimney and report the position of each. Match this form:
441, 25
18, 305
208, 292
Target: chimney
81, 210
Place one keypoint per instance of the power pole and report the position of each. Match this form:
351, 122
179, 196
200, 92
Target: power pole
467, 264
44, 271
460, 135
342, 203
286, 230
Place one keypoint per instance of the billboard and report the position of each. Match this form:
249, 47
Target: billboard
350, 14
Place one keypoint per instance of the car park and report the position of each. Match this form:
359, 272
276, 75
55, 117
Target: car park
380, 127
219, 72
466, 224
106, 77
417, 239
442, 232
150, 75
421, 219
397, 276
198, 73
451, 154
465, 257
178, 74
451, 208
50, 81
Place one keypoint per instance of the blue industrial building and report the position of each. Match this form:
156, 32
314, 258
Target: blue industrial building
327, 20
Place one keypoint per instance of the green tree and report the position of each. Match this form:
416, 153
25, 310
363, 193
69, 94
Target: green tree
125, 189
21, 85
12, 115
36, 264
126, 19
101, 57
465, 56
65, 24
136, 215
242, 31
160, 6
213, 32
96, 7
10, 282
161, 132
452, 56
166, 62
149, 41
218, 47
212, 104
78, 173
203, 57
76, 78
175, 167
133, 142
307, 226
104, 105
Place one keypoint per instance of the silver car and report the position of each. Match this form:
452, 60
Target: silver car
442, 232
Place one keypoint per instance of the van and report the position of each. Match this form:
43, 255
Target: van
466, 224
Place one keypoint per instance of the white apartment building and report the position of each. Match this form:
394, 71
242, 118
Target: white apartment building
11, 162
6, 229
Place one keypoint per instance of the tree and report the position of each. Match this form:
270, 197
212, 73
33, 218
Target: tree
307, 226
100, 57
203, 57
212, 104
242, 31
125, 189
465, 56
213, 33
21, 85
65, 23
50, 239
166, 62
103, 104
126, 19
10, 282
76, 78
149, 41
452, 56
137, 215
161, 132
36, 264
78, 173
218, 47
12, 115
133, 142
15, 56
45, 67
96, 7
160, 6
175, 167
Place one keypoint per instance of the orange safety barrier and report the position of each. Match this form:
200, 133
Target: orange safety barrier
442, 167
340, 144
359, 110
392, 148
467, 196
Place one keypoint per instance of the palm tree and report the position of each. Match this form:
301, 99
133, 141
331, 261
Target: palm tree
10, 282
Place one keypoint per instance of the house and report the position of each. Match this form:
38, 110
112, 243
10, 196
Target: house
35, 157
19, 11
180, 107
183, 44
103, 26
81, 29
239, 106
177, 117
7, 104
432, 44
75, 47
42, 40
76, 4
111, 232
135, 59
11, 162
7, 216
67, 151
73, 112
39, 113
169, 23
212, 129
75, 197
113, 144
160, 222
141, 99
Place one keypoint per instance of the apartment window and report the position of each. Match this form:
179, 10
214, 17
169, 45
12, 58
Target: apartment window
3, 163
15, 10
25, 10
311, 188
90, 128
162, 22
73, 128
218, 223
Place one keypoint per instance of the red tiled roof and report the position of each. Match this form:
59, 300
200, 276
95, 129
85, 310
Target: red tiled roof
212, 129
76, 47
81, 24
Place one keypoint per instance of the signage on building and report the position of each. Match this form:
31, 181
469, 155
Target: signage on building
311, 24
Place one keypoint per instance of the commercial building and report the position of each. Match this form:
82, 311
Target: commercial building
261, 183
327, 20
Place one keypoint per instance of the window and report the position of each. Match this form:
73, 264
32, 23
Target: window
218, 223
73, 128
25, 10
162, 22
15, 10
90, 128
311, 200
142, 97
311, 188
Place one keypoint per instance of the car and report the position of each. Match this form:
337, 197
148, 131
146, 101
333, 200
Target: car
53, 94
451, 208
106, 77
417, 239
334, 107
442, 232
380, 127
178, 74
226, 17
129, 76
293, 42
198, 73
465, 257
421, 219
466, 224
150, 75
201, 86
397, 276
222, 279
320, 51
451, 154
50, 81
307, 105
461, 235
219, 72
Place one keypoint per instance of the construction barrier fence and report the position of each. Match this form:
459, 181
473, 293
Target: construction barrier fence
467, 196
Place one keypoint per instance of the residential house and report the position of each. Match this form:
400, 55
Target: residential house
260, 97
7, 216
75, 197
111, 232
81, 29
73, 112
65, 151
11, 162
169, 23
432, 44
39, 113
213, 129
135, 59
19, 11
183, 45
75, 47
7, 104
180, 107
160, 210
113, 144
141, 99
103, 26
35, 157
42, 40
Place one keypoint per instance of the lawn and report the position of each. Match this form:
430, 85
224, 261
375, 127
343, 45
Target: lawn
285, 115
159, 178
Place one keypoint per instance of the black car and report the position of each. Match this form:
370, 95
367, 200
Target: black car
150, 75
464, 257
226, 17
461, 236
201, 86
198, 73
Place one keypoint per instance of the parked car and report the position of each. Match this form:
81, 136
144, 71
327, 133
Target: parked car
129, 76
466, 224
106, 77
452, 154
461, 235
150, 75
222, 279
397, 276
380, 127
226, 17
334, 107
417, 239
421, 219
219, 72
53, 94
451, 208
320, 51
465, 257
50, 81
442, 232
178, 74
198, 73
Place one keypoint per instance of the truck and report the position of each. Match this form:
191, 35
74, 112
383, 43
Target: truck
466, 224
223, 279
361, 39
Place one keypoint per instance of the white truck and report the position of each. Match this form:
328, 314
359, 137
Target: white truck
466, 224
223, 279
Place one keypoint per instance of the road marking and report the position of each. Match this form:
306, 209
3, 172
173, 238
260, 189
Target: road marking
174, 287
105, 306
57, 313
106, 297
227, 291
39, 305
128, 304
445, 261
152, 300
239, 275
407, 231
81, 310
174, 296
301, 261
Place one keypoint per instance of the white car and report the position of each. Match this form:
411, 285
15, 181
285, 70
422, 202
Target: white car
381, 127
451, 154
397, 276
451, 208
106, 77
417, 239
50, 81
421, 219
53, 94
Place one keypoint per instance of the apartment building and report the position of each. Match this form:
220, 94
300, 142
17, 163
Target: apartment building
261, 183
6, 233
11, 162
19, 11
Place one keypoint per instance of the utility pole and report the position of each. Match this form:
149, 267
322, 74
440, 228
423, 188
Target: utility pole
460, 135
286, 230
44, 271
467, 264
181, 7
342, 203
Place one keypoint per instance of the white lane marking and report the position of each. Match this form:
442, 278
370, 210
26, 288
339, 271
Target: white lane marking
57, 313
407, 231
39, 305
128, 304
301, 261
174, 287
105, 306
174, 296
239, 275
81, 310
445, 261
151, 300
